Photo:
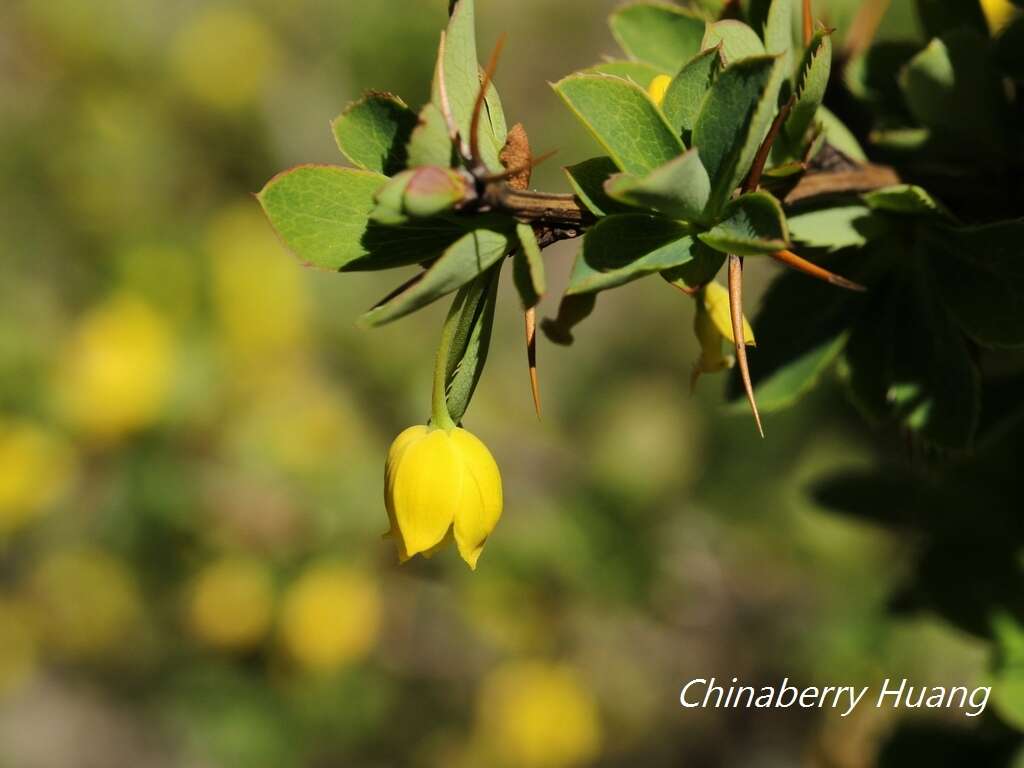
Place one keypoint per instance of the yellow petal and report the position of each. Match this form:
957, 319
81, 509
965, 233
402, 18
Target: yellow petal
395, 452
427, 478
716, 304
658, 88
480, 507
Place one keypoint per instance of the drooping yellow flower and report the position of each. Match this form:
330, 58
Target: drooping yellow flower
658, 88
713, 326
438, 481
537, 715
231, 603
998, 13
330, 617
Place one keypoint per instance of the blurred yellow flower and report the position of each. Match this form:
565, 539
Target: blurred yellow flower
18, 654
117, 368
998, 13
231, 603
86, 603
36, 469
537, 715
658, 88
224, 57
330, 617
713, 326
436, 481
259, 292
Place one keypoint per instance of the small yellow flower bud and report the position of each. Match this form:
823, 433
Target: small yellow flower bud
437, 481
998, 13
658, 88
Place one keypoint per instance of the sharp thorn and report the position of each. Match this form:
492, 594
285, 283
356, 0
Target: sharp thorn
531, 356
808, 24
739, 337
790, 259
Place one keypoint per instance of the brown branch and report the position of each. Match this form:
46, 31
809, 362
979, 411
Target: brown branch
864, 179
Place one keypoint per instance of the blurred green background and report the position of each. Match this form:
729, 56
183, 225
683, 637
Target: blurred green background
192, 435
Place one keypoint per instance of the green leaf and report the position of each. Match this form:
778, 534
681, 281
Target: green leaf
839, 136
905, 199
700, 270
640, 73
688, 88
468, 257
793, 354
909, 365
622, 248
980, 275
735, 116
815, 71
737, 40
623, 119
572, 311
320, 212
778, 31
679, 189
953, 88
419, 242
588, 179
660, 34
844, 226
528, 267
373, 133
753, 225
429, 143
474, 304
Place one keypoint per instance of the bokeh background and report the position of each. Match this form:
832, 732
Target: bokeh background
192, 434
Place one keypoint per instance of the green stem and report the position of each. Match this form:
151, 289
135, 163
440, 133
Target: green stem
439, 415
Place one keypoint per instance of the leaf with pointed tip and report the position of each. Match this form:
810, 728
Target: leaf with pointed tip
468, 257
320, 212
622, 248
640, 73
687, 90
733, 120
528, 267
658, 33
429, 143
373, 133
737, 40
815, 70
907, 199
752, 225
474, 304
588, 179
623, 119
979, 272
679, 189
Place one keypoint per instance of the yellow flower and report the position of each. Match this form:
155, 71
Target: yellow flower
118, 369
713, 326
330, 617
998, 13
231, 603
537, 715
38, 468
658, 88
437, 481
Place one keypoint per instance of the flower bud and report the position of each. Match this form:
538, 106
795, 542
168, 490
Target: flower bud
439, 482
419, 193
658, 88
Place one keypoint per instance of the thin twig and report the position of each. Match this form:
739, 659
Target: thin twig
531, 356
761, 158
790, 259
808, 23
738, 334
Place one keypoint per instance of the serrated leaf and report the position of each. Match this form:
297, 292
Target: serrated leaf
700, 270
687, 90
793, 354
979, 272
843, 226
320, 212
640, 73
622, 248
905, 199
528, 267
679, 189
815, 70
737, 40
588, 179
954, 89
474, 305
373, 133
752, 225
733, 120
429, 143
623, 119
469, 256
660, 34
